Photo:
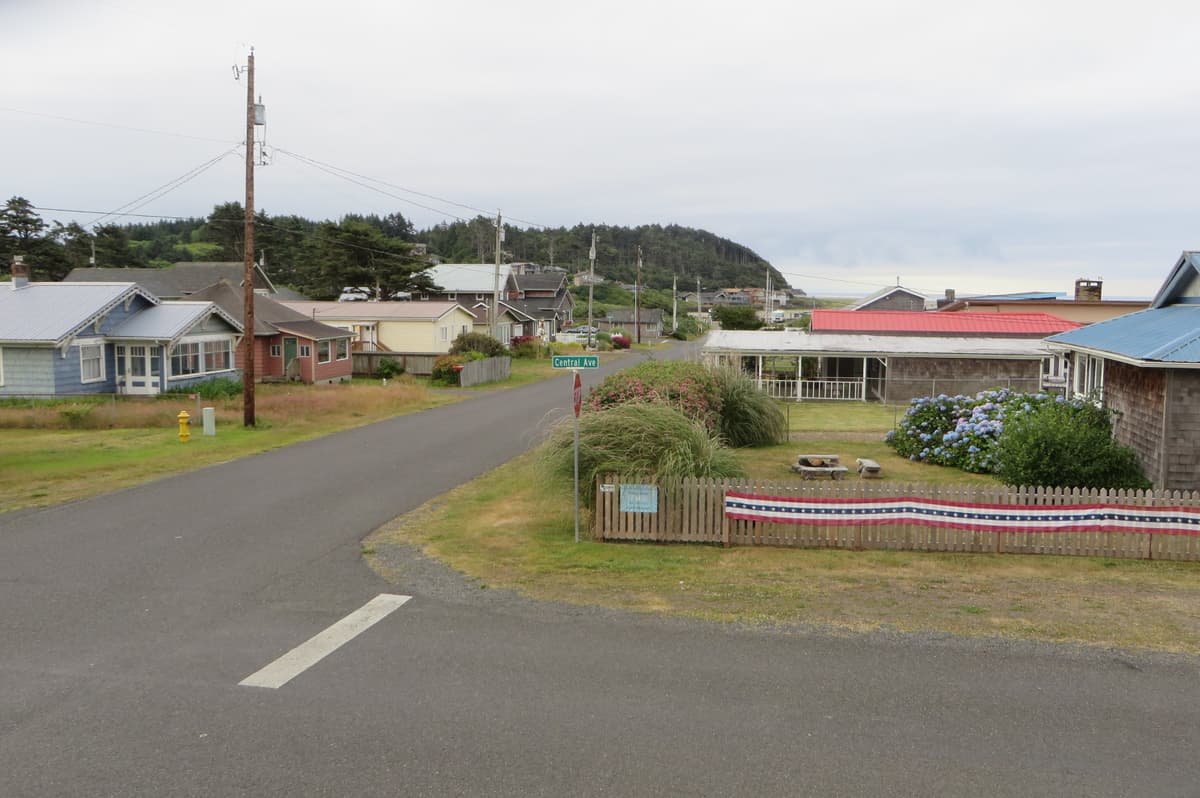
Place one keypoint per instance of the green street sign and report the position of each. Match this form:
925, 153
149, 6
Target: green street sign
575, 362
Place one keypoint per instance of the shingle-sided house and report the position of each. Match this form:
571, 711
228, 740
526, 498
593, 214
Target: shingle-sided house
512, 322
893, 356
894, 297
468, 283
60, 339
545, 299
1146, 367
287, 344
650, 320
542, 299
411, 328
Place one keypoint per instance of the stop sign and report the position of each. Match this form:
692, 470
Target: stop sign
578, 393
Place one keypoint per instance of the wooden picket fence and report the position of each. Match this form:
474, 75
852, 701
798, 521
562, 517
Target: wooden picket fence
692, 510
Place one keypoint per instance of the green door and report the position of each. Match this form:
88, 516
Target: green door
290, 349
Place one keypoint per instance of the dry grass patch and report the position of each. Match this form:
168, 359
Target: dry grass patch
49, 457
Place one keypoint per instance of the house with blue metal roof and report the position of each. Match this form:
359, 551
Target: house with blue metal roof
1146, 367
66, 339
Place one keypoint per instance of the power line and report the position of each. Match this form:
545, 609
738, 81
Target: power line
340, 172
104, 213
306, 233
111, 125
167, 187
336, 173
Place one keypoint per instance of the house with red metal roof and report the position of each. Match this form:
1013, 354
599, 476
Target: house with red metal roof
896, 356
900, 322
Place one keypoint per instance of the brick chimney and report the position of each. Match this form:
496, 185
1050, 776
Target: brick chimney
1088, 290
20, 272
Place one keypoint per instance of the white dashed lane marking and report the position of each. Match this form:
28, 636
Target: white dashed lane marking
312, 651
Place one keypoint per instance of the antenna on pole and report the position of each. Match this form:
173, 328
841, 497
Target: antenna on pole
637, 298
496, 278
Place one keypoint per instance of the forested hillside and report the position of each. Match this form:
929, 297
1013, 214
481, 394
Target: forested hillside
319, 257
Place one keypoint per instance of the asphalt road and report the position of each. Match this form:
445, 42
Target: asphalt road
127, 622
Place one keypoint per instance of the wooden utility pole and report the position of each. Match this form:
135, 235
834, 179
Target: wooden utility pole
674, 303
637, 299
496, 279
591, 282
248, 275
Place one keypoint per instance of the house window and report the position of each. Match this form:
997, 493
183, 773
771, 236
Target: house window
1054, 371
276, 350
1089, 377
91, 363
305, 350
324, 352
343, 348
189, 359
185, 360
1, 366
217, 355
444, 333
451, 295
480, 296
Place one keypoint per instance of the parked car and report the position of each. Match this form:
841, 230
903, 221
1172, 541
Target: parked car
352, 293
583, 330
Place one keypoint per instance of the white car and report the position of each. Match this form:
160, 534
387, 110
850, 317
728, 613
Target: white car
353, 293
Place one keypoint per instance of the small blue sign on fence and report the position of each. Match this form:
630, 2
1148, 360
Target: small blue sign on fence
639, 498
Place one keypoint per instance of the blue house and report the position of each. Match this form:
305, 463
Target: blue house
1146, 367
65, 339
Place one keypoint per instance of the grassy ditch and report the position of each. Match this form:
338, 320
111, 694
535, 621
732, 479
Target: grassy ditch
509, 529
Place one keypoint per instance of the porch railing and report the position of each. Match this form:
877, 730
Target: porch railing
845, 390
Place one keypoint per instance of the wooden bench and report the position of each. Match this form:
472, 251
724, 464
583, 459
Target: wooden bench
868, 468
811, 466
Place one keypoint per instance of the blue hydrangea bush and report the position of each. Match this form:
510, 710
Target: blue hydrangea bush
961, 431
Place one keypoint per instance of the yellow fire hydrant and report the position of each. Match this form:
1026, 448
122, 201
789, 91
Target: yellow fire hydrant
185, 434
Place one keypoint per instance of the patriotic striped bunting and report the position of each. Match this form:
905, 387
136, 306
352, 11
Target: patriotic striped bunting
959, 515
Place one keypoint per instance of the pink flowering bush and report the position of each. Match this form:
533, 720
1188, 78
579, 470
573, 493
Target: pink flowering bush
688, 387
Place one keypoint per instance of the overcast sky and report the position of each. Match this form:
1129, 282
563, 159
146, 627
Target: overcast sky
978, 146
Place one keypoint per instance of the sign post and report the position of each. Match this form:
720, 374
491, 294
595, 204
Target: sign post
575, 363
577, 398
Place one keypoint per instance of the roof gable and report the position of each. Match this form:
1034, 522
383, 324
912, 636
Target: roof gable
50, 313
170, 321
884, 293
267, 312
1182, 284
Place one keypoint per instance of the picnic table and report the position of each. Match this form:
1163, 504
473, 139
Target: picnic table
811, 466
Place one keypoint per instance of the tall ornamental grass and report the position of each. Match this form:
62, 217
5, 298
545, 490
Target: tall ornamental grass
650, 441
748, 417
